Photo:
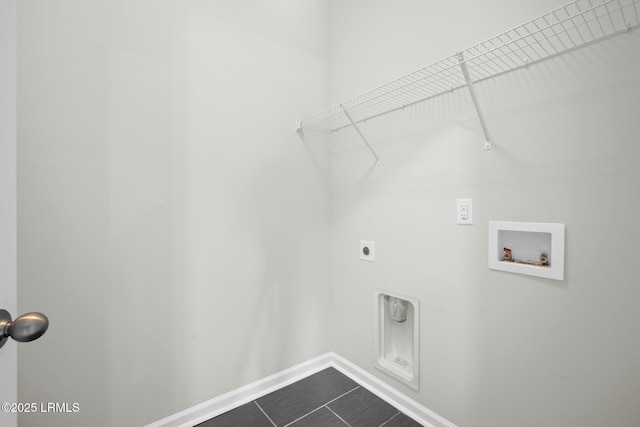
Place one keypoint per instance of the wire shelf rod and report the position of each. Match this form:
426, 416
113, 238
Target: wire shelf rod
502, 55
563, 21
375, 93
563, 29
562, 52
522, 37
404, 87
554, 32
352, 104
588, 27
530, 62
377, 114
566, 31
384, 113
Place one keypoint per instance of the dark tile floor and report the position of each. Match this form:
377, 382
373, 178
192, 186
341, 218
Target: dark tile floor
325, 399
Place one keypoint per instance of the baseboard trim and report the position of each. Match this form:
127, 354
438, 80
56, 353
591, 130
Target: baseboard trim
221, 404
387, 393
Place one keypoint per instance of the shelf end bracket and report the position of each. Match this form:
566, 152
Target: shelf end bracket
465, 72
300, 131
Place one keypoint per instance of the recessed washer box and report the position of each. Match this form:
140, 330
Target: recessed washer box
532, 248
397, 338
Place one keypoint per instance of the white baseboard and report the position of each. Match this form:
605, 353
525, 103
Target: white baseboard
387, 393
221, 404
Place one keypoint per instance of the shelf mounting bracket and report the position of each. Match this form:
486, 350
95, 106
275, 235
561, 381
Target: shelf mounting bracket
465, 72
346, 113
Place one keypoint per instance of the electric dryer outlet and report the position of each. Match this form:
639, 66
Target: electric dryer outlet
367, 250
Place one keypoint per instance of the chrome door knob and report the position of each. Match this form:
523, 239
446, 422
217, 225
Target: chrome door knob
28, 327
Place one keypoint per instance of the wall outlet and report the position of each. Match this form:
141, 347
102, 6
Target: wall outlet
464, 212
367, 250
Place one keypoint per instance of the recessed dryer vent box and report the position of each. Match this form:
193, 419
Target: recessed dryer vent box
532, 248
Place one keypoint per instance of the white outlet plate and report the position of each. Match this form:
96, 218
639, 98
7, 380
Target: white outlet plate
464, 211
370, 253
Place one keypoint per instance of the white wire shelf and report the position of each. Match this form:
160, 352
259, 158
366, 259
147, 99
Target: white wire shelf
561, 30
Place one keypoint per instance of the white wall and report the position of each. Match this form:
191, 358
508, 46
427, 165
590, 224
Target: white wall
177, 234
171, 225
497, 349
8, 353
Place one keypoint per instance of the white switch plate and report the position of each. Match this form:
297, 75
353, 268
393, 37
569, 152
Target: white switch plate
464, 211
368, 254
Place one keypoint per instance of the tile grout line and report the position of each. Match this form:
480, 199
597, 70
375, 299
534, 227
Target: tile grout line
265, 414
389, 420
339, 417
305, 415
341, 396
320, 407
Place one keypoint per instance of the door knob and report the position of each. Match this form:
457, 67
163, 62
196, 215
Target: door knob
28, 327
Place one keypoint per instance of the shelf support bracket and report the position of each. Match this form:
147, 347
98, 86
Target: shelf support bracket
346, 113
465, 72
299, 130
